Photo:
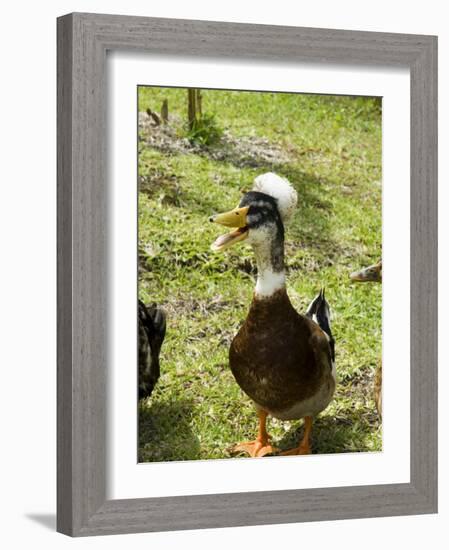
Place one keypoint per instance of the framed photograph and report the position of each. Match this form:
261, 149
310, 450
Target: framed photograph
247, 274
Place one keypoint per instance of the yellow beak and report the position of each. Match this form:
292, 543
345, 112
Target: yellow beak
233, 218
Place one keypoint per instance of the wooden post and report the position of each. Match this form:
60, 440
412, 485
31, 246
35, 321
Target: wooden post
194, 106
199, 103
164, 111
192, 110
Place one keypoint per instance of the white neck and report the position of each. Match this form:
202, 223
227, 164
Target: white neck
270, 261
268, 279
268, 282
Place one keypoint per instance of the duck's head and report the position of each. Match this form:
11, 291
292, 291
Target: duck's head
372, 273
260, 214
256, 218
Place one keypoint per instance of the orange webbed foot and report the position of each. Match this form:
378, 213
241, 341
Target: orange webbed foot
255, 448
261, 445
301, 450
304, 447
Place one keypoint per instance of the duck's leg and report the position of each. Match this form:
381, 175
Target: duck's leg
261, 446
304, 446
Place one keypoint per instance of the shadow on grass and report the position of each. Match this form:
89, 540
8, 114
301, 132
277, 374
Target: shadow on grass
165, 432
330, 436
311, 226
310, 238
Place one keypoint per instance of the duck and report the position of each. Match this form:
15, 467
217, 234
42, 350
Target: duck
152, 328
282, 360
372, 274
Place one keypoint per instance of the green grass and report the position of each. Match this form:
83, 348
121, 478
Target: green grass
332, 151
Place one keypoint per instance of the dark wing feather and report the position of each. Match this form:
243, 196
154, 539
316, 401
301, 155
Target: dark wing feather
319, 310
152, 327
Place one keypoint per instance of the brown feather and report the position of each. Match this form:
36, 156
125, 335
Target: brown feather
279, 357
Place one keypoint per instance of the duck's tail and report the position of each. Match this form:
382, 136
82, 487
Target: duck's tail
319, 311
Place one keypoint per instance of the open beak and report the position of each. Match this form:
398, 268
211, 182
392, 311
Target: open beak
236, 219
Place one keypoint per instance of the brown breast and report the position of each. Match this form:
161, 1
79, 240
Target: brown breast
278, 357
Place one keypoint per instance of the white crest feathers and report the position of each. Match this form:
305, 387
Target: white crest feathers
281, 190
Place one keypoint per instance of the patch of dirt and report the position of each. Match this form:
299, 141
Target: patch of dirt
188, 307
359, 380
361, 384
216, 304
246, 151
166, 187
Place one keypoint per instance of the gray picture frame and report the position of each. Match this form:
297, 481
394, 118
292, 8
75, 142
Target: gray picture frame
83, 41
